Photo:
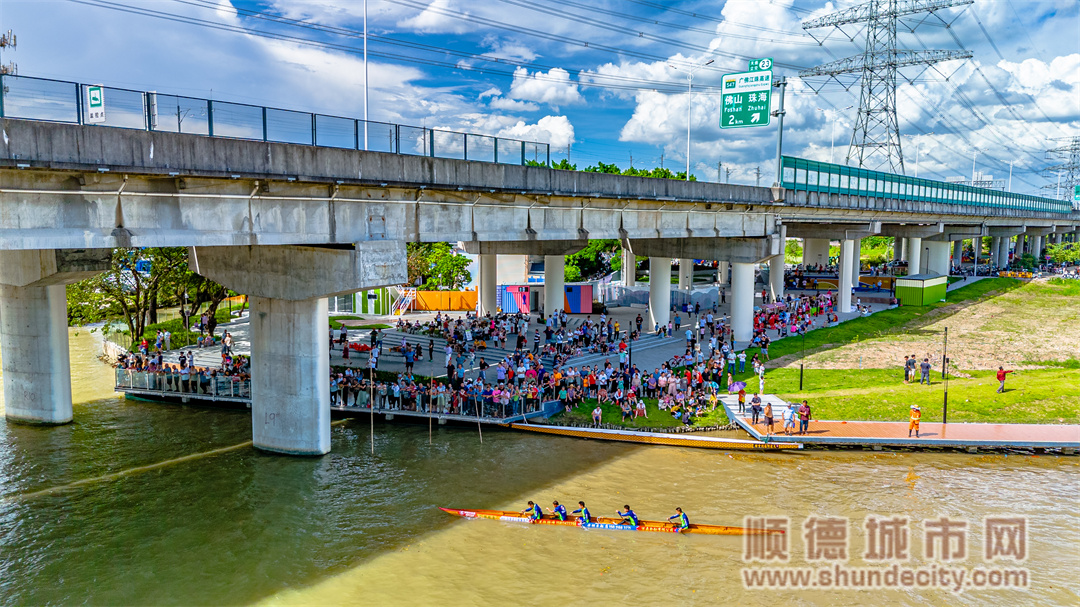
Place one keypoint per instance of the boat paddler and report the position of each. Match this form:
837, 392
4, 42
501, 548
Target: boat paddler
680, 519
559, 511
629, 518
584, 512
533, 512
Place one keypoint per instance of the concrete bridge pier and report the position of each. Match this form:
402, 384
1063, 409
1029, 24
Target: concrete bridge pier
34, 329
856, 261
914, 251
898, 249
815, 251
486, 282
742, 302
629, 268
937, 261
847, 252
995, 252
554, 283
686, 274
722, 272
290, 368
776, 268
958, 251
659, 291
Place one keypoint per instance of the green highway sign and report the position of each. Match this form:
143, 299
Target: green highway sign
761, 65
1076, 193
746, 98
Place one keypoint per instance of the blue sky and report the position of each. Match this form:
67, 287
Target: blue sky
605, 77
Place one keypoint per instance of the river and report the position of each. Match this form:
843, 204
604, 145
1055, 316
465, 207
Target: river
139, 503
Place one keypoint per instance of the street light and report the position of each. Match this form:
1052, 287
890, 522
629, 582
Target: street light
832, 141
689, 105
918, 149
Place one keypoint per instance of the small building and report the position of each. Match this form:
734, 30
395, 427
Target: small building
921, 289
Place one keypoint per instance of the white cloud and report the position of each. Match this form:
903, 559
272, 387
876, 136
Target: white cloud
498, 102
553, 88
555, 130
433, 20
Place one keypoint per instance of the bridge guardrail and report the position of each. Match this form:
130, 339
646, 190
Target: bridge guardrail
29, 98
802, 175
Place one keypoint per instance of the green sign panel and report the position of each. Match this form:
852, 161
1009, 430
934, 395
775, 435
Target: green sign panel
746, 98
761, 65
95, 103
1076, 193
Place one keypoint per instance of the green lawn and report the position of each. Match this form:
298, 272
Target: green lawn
1035, 396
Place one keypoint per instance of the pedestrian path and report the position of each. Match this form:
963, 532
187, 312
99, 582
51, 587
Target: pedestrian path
895, 434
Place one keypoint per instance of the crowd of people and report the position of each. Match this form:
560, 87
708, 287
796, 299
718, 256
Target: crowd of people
184, 375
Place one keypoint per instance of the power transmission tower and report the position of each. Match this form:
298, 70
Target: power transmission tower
875, 141
757, 173
1068, 171
8, 41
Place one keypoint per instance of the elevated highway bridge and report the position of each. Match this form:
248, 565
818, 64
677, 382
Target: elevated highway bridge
290, 224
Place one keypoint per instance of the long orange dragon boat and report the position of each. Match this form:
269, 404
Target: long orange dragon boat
605, 523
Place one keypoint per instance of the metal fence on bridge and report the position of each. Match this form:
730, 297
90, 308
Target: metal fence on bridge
27, 98
803, 175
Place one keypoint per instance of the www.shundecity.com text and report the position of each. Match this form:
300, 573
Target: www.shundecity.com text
839, 576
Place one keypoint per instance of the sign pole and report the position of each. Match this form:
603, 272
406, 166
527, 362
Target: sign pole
779, 113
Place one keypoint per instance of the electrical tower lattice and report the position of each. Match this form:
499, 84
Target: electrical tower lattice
875, 140
1067, 172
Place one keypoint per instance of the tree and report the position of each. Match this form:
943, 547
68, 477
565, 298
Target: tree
131, 285
435, 265
1064, 252
596, 259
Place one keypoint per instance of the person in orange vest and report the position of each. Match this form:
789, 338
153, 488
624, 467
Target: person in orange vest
913, 421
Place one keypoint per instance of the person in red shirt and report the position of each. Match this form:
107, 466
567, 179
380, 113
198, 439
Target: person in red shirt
1001, 378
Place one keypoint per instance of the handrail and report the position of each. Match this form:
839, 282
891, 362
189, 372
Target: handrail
802, 175
49, 100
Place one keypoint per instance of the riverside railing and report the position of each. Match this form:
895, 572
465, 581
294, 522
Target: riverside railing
172, 384
803, 175
28, 98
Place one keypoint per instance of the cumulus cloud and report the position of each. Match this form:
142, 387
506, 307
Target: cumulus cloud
553, 88
554, 130
498, 102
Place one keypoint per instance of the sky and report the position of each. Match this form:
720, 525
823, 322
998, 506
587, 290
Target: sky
600, 80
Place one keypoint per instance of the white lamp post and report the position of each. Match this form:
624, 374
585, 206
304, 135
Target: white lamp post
689, 105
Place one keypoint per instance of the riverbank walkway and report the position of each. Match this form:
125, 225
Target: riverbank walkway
882, 434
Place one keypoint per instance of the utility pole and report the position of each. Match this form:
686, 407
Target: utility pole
661, 160
779, 113
631, 160
720, 171
875, 141
757, 174
365, 81
727, 175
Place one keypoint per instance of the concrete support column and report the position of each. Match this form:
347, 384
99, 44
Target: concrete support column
856, 261
776, 277
815, 251
721, 272
487, 283
1006, 249
686, 274
290, 376
290, 366
937, 261
995, 252
898, 249
629, 268
903, 248
914, 253
958, 251
1036, 247
847, 251
659, 291
742, 303
554, 283
34, 340
34, 332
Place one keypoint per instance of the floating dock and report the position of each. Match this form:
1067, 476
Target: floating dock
657, 438
879, 434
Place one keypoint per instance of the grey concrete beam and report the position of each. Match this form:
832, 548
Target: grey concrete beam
297, 273
1039, 231
912, 231
43, 268
532, 247
952, 233
832, 231
1005, 231
734, 250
